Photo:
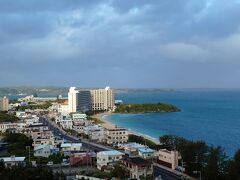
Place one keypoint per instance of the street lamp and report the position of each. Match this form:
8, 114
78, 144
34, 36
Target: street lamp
200, 174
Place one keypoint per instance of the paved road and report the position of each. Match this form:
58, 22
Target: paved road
169, 174
58, 131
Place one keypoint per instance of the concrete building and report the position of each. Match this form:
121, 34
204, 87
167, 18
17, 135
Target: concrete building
13, 161
168, 158
139, 168
72, 99
102, 99
45, 150
69, 148
146, 153
131, 148
4, 103
95, 132
106, 158
115, 135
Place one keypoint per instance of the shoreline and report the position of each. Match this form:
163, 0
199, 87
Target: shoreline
107, 123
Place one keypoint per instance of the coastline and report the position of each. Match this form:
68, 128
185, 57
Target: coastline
107, 123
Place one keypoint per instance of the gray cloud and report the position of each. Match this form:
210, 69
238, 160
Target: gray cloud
134, 43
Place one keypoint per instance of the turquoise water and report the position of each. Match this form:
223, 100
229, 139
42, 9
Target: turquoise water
209, 115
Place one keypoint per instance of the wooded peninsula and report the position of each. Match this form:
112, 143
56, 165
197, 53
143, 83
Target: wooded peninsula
146, 108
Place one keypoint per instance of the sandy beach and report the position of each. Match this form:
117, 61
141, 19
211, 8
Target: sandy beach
107, 124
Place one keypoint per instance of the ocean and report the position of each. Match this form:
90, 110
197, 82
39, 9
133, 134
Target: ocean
209, 115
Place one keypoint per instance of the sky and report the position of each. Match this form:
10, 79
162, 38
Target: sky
120, 43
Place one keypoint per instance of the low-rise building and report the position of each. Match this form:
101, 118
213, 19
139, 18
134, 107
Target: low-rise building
131, 148
13, 161
138, 167
106, 158
45, 134
168, 158
146, 153
115, 135
83, 158
69, 148
95, 132
52, 141
45, 150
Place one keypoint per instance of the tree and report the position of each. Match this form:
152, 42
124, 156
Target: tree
216, 164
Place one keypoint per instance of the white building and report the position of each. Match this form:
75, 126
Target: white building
95, 132
45, 150
68, 148
72, 99
102, 99
12, 161
105, 158
168, 158
65, 121
131, 148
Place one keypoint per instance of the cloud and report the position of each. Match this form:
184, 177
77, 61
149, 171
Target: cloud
134, 38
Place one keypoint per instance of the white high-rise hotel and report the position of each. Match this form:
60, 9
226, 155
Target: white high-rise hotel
72, 99
98, 99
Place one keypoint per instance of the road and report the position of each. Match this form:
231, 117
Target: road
58, 131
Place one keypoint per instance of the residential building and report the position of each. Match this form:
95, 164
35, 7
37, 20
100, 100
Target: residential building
78, 116
45, 150
65, 121
84, 101
115, 135
4, 103
13, 161
95, 132
8, 125
106, 158
52, 141
63, 108
102, 99
72, 99
146, 153
83, 158
139, 168
168, 158
131, 148
45, 134
69, 148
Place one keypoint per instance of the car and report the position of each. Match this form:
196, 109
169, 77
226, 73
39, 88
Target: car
50, 163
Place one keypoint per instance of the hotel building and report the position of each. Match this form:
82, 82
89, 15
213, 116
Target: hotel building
4, 102
102, 99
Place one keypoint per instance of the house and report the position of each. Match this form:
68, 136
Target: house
82, 158
68, 148
168, 158
45, 134
79, 116
95, 132
6, 125
65, 121
106, 158
13, 161
115, 135
52, 141
146, 153
45, 150
138, 167
131, 148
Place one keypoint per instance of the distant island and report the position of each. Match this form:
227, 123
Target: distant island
146, 108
